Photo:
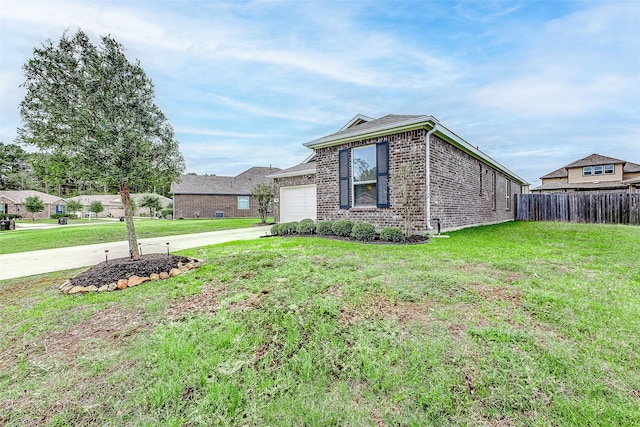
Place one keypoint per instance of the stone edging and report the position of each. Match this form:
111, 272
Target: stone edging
68, 288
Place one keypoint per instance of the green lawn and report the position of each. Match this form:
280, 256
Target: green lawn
512, 324
102, 232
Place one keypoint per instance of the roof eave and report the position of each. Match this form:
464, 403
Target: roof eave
407, 125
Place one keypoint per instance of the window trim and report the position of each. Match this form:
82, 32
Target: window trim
494, 188
243, 199
508, 195
353, 183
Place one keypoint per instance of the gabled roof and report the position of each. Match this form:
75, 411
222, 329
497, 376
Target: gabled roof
308, 168
228, 185
392, 123
20, 196
357, 120
606, 185
558, 173
631, 167
594, 159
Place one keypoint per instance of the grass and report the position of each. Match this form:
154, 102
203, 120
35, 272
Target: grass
512, 324
64, 236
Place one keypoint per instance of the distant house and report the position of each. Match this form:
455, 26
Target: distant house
12, 202
112, 203
595, 174
210, 196
452, 183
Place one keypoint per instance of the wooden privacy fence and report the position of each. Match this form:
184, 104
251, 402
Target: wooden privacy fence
605, 208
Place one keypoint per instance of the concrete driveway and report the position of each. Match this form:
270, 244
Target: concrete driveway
48, 260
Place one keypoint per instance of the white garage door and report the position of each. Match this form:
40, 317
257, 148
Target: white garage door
297, 203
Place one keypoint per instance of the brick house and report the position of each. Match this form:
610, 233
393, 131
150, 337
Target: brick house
593, 174
210, 196
12, 202
452, 182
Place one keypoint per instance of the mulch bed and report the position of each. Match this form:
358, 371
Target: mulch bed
122, 268
411, 240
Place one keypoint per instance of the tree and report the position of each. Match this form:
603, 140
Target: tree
15, 171
94, 110
404, 187
97, 207
151, 202
263, 193
34, 204
73, 206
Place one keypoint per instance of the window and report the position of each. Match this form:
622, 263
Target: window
480, 179
364, 176
598, 170
243, 203
508, 195
60, 209
493, 190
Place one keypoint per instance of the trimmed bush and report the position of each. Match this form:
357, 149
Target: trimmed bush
306, 226
324, 228
364, 232
342, 227
274, 229
287, 228
392, 234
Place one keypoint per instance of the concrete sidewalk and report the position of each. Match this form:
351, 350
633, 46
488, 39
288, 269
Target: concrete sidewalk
48, 260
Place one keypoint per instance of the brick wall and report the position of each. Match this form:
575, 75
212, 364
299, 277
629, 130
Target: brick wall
290, 181
456, 198
404, 148
186, 206
462, 190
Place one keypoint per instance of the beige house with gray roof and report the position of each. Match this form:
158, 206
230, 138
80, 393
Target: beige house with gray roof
12, 202
595, 174
210, 196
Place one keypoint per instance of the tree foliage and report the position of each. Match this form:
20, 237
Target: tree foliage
96, 207
93, 110
263, 193
74, 206
152, 202
34, 204
15, 171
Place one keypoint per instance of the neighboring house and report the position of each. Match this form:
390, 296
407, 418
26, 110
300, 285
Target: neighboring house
112, 204
12, 202
295, 192
210, 196
453, 182
594, 174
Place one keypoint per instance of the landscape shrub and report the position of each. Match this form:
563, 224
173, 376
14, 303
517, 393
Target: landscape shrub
306, 226
166, 212
324, 228
392, 234
342, 227
274, 229
287, 228
364, 232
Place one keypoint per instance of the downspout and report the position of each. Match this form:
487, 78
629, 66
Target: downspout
428, 178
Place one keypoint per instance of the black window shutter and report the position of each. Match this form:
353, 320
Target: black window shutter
343, 173
382, 167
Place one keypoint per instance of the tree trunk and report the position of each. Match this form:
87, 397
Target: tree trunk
128, 219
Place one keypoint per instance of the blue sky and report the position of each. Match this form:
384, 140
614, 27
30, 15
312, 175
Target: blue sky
534, 84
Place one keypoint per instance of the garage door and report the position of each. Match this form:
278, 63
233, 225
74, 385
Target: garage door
297, 203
